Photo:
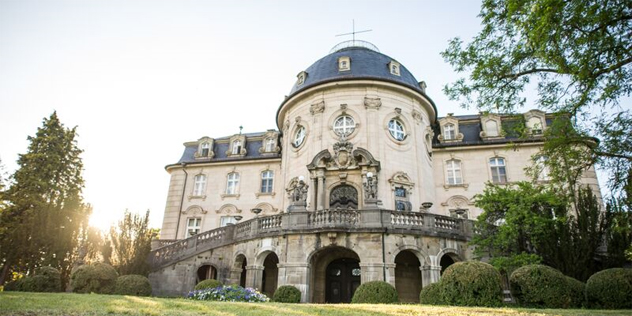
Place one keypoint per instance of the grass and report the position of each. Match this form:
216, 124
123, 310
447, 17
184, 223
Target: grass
29, 304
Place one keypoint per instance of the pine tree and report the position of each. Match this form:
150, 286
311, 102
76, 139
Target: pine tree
45, 214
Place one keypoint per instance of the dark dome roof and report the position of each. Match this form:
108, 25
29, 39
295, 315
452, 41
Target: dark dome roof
365, 64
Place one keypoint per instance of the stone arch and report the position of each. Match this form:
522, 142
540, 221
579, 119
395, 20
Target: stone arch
446, 257
408, 277
458, 202
194, 210
422, 256
319, 261
206, 271
267, 259
239, 265
228, 209
319, 160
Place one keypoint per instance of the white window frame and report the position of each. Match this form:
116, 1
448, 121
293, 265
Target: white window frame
536, 128
199, 185
236, 147
449, 132
270, 144
454, 176
205, 149
344, 125
397, 129
225, 220
496, 164
299, 136
488, 131
267, 182
194, 224
232, 183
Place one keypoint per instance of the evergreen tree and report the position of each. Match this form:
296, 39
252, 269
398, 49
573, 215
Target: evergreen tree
45, 213
131, 244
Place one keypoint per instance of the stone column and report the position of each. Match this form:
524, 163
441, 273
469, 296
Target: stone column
297, 275
254, 275
430, 274
314, 189
390, 273
321, 193
234, 276
372, 271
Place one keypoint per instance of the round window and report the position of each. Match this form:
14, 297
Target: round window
356, 272
344, 125
396, 128
299, 136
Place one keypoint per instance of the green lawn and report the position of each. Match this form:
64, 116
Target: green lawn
20, 303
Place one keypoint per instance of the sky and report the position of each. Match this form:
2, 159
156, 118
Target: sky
140, 78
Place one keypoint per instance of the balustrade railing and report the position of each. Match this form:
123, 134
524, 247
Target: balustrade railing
353, 220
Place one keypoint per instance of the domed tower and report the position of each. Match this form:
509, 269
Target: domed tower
356, 127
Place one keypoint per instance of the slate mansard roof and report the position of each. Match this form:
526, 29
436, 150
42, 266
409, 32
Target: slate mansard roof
365, 64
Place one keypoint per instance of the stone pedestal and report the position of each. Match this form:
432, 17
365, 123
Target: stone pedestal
254, 276
430, 274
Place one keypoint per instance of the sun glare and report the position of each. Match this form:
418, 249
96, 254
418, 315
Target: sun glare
103, 220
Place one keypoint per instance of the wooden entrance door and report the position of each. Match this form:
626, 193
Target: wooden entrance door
343, 278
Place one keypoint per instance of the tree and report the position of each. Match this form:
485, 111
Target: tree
131, 244
577, 55
45, 212
525, 221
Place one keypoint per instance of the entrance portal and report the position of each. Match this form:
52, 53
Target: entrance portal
407, 277
343, 278
270, 274
344, 197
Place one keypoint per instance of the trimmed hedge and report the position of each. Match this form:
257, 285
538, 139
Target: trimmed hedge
208, 284
95, 278
611, 288
45, 279
541, 286
471, 283
133, 284
375, 292
431, 294
287, 294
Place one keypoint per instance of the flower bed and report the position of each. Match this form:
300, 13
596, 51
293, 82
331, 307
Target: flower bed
228, 294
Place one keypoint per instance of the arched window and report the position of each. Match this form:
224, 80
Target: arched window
491, 128
232, 183
449, 132
453, 168
200, 185
396, 128
267, 180
499, 173
344, 125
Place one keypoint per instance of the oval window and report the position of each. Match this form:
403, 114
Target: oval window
396, 128
299, 136
344, 125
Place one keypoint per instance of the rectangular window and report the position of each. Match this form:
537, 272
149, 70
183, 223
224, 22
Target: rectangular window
267, 179
499, 173
232, 183
270, 145
205, 150
401, 199
225, 220
449, 132
193, 226
454, 172
236, 147
200, 185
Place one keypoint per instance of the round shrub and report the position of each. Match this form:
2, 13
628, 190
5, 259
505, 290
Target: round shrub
471, 283
375, 292
538, 285
15, 285
208, 284
47, 279
287, 294
611, 288
95, 278
431, 294
133, 284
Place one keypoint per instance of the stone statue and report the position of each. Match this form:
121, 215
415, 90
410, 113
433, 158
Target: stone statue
299, 192
370, 187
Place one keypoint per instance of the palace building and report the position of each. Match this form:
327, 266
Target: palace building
362, 181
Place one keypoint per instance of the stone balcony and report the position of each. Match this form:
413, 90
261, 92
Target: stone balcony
168, 252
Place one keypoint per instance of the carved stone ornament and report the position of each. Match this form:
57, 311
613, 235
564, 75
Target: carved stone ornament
372, 103
193, 210
370, 188
342, 154
417, 116
318, 107
228, 209
297, 191
401, 179
286, 125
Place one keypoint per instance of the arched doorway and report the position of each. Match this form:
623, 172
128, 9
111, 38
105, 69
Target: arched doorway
446, 261
335, 275
407, 277
241, 263
343, 278
206, 272
343, 196
270, 274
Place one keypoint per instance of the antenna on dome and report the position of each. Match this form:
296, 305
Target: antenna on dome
353, 31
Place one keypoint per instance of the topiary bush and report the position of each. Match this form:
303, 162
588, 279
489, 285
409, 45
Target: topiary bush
95, 278
132, 284
471, 283
287, 294
375, 292
208, 284
541, 286
611, 288
431, 294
